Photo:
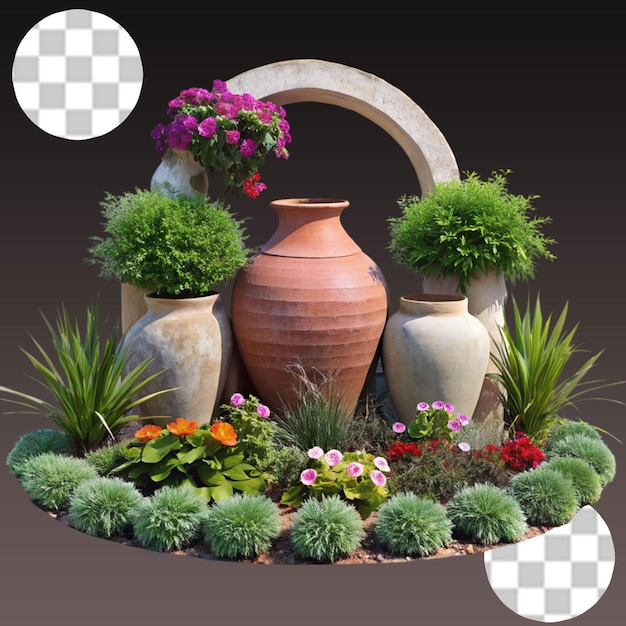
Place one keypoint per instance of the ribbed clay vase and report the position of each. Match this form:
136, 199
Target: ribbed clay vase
313, 298
190, 338
433, 349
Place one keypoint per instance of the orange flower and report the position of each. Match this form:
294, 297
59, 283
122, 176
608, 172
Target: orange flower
224, 433
182, 426
148, 432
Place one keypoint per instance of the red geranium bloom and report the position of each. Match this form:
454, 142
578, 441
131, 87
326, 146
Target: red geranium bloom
182, 426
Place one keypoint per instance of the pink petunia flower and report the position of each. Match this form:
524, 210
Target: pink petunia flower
354, 469
423, 406
333, 457
449, 408
378, 478
439, 405
237, 399
263, 411
315, 452
463, 445
381, 463
454, 425
308, 476
463, 419
398, 427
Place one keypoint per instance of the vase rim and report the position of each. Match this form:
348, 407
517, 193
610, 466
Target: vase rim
153, 296
434, 297
313, 201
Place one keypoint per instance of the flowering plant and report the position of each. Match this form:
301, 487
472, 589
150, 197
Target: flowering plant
227, 133
520, 453
358, 477
207, 459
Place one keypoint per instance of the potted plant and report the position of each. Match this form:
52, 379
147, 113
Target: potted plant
178, 248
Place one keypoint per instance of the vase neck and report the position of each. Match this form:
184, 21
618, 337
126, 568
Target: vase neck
310, 228
433, 304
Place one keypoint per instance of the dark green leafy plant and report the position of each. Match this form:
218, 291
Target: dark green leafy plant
532, 360
174, 246
409, 525
241, 527
464, 228
36, 442
93, 398
326, 530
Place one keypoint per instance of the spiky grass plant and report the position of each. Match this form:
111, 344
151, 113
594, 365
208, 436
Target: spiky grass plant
326, 530
546, 496
532, 360
241, 527
102, 506
316, 418
37, 442
486, 514
107, 457
49, 479
569, 427
592, 450
169, 519
92, 393
410, 525
584, 478
286, 464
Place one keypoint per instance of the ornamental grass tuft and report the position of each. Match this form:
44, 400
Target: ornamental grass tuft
410, 525
327, 529
585, 479
546, 496
102, 506
107, 457
37, 442
590, 449
486, 514
169, 519
49, 479
286, 464
241, 527
568, 428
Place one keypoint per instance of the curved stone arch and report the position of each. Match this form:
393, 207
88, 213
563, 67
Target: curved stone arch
312, 80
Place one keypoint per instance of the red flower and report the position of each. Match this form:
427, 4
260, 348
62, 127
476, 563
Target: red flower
400, 450
521, 454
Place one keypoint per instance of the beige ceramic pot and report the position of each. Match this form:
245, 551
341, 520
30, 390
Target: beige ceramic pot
179, 172
191, 339
312, 298
433, 349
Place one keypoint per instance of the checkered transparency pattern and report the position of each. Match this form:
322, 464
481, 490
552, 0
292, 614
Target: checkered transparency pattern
77, 74
556, 576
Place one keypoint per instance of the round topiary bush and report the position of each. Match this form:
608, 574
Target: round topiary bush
326, 529
241, 527
106, 458
102, 506
409, 525
546, 496
49, 479
584, 478
37, 442
559, 432
487, 514
170, 519
590, 449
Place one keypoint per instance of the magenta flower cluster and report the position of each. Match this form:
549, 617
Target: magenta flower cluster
227, 133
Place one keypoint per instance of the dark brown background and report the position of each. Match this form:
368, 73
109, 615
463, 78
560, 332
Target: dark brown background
522, 87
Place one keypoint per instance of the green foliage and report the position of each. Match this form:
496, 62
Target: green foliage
369, 429
36, 442
546, 496
107, 457
172, 245
102, 506
366, 489
286, 464
241, 527
93, 397
533, 360
200, 461
584, 478
170, 519
481, 434
326, 530
49, 479
590, 449
409, 525
566, 428
487, 514
435, 422
464, 228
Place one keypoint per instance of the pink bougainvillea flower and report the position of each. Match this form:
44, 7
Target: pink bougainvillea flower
207, 127
333, 457
248, 148
263, 411
463, 445
378, 478
381, 463
148, 432
237, 399
439, 405
232, 137
423, 406
308, 477
398, 427
315, 452
181, 426
354, 469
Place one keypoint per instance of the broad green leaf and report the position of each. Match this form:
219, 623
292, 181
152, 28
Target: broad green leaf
157, 449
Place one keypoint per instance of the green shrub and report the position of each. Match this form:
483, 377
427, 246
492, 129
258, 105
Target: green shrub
170, 519
546, 496
327, 529
590, 449
241, 527
569, 427
105, 458
102, 506
36, 442
408, 525
49, 479
286, 464
585, 479
486, 514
